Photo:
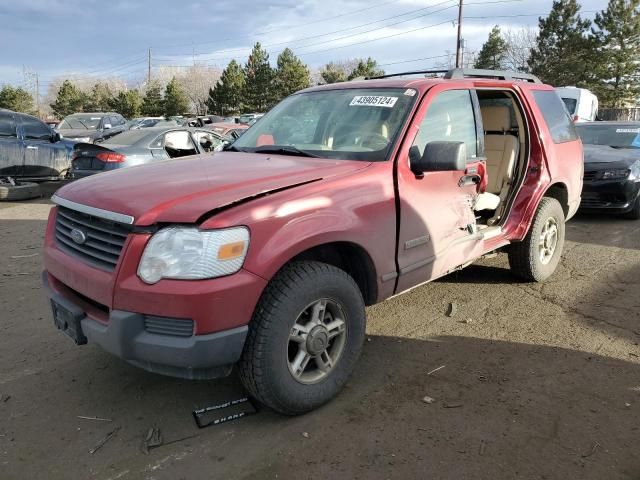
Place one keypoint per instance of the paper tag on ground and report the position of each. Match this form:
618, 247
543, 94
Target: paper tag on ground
373, 101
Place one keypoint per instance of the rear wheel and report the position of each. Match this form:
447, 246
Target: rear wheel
537, 256
304, 339
19, 191
634, 213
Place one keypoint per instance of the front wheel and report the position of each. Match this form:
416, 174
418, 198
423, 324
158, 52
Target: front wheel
537, 256
634, 213
304, 339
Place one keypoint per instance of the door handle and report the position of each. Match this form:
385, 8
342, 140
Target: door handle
32, 147
466, 180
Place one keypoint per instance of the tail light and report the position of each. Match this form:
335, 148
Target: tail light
111, 157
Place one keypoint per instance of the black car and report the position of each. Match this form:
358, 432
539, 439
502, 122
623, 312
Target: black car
611, 167
92, 127
30, 149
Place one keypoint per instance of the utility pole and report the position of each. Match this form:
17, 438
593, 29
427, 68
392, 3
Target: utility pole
459, 42
149, 69
38, 95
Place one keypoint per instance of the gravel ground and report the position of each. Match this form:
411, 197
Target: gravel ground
526, 380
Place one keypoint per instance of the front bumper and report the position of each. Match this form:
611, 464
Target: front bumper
124, 335
614, 196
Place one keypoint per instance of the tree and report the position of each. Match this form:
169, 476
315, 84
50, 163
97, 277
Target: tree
563, 54
16, 99
226, 97
493, 51
152, 103
259, 88
100, 99
128, 104
291, 75
70, 99
618, 39
175, 100
366, 68
519, 44
333, 73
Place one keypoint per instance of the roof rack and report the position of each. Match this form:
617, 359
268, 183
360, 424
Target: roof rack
457, 73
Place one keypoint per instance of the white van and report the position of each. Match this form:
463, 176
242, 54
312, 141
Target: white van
581, 103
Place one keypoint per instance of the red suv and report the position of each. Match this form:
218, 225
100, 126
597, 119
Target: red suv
265, 255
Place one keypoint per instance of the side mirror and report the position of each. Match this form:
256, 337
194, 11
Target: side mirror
55, 137
107, 126
438, 156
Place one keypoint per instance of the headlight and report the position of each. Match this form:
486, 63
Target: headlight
189, 253
615, 174
635, 170
82, 139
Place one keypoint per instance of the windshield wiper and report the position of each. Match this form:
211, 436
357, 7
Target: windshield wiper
285, 150
232, 148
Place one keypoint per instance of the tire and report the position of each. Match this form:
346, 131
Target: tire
266, 368
526, 258
634, 213
21, 191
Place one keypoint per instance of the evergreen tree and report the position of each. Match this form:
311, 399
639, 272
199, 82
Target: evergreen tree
128, 104
563, 54
493, 52
291, 75
366, 68
259, 91
618, 61
175, 100
333, 73
70, 99
226, 97
16, 99
100, 99
152, 103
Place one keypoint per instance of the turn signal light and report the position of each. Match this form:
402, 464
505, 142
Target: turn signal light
111, 157
231, 250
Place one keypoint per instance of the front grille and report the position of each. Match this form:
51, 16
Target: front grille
176, 327
590, 176
602, 200
104, 238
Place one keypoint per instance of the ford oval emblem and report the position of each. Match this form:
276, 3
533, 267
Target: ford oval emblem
78, 236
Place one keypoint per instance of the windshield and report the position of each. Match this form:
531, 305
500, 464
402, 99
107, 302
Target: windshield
570, 103
350, 124
617, 136
86, 122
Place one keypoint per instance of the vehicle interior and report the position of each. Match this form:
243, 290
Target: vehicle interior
505, 149
179, 144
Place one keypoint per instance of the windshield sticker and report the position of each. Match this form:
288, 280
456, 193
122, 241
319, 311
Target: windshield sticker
627, 130
373, 101
410, 92
636, 141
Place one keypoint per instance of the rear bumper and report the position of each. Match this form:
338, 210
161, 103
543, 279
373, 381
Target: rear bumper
125, 336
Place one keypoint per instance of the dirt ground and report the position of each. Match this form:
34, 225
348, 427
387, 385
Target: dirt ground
536, 381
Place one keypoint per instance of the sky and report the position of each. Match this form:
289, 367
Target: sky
107, 38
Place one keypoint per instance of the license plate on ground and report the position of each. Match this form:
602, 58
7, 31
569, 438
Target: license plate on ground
68, 322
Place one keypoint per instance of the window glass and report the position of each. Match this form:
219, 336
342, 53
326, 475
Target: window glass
450, 117
206, 140
119, 120
7, 125
34, 129
178, 140
571, 104
553, 110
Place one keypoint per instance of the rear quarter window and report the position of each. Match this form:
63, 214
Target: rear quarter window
555, 115
7, 125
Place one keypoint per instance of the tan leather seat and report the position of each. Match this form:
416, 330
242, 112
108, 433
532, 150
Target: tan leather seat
501, 148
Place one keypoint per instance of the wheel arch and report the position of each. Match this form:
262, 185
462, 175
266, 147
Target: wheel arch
560, 192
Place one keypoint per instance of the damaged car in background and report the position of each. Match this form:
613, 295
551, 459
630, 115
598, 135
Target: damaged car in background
29, 151
611, 168
140, 146
92, 127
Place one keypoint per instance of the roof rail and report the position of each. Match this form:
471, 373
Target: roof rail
457, 73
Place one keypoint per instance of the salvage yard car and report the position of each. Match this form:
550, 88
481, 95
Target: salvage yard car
92, 127
140, 146
265, 255
612, 168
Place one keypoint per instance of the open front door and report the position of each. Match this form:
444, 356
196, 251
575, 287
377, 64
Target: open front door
437, 229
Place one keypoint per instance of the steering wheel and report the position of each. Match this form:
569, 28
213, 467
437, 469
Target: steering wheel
381, 139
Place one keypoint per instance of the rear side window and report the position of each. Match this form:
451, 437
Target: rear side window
7, 125
34, 129
555, 114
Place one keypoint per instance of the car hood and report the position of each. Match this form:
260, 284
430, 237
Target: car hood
183, 190
77, 132
606, 155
